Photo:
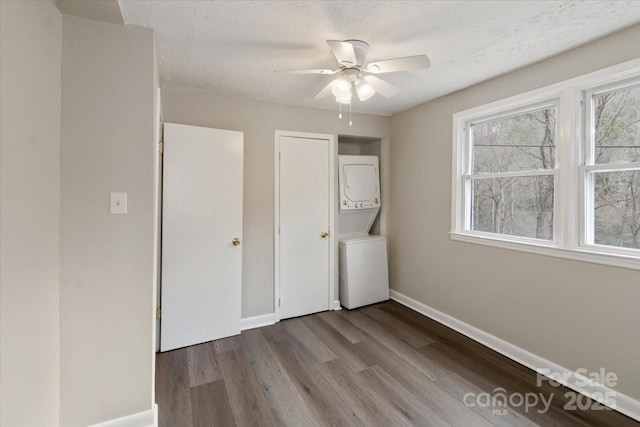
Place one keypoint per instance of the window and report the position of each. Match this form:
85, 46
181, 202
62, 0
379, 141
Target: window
554, 171
612, 167
512, 174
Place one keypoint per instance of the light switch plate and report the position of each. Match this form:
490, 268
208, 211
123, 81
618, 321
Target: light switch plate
118, 203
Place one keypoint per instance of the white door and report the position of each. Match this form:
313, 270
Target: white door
304, 220
201, 235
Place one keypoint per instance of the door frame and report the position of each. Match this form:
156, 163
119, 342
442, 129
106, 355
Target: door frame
333, 303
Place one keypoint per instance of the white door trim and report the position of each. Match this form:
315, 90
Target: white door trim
333, 242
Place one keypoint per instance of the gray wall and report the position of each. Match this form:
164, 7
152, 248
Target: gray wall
349, 149
573, 313
107, 144
259, 121
31, 41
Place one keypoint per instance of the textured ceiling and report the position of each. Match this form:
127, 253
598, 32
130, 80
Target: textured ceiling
233, 47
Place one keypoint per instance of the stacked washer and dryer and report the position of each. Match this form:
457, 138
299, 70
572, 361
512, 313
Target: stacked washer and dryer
363, 273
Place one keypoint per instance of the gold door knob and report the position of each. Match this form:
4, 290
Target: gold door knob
324, 234
236, 242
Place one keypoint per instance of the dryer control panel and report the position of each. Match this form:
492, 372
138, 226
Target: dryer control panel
347, 204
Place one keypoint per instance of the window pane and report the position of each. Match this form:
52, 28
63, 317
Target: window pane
617, 126
521, 206
523, 142
617, 209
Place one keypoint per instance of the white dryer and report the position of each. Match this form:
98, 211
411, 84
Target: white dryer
363, 274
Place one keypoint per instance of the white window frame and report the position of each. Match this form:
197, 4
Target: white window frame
468, 175
571, 168
588, 167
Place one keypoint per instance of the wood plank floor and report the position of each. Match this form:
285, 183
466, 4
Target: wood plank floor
382, 365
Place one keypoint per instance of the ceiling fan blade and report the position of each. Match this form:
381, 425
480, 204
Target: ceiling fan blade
318, 71
407, 63
383, 88
344, 52
326, 91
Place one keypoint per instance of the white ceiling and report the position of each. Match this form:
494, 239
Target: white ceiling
233, 47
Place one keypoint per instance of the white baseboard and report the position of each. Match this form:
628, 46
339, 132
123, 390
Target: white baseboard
270, 319
574, 381
257, 321
141, 419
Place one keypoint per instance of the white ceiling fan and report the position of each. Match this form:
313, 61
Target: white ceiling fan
353, 70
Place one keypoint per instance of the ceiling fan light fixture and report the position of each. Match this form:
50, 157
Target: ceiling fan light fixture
341, 87
344, 99
364, 89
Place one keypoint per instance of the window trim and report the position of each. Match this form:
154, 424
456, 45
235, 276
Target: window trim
469, 175
570, 170
588, 165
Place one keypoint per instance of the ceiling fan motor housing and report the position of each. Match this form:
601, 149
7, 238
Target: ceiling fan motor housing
351, 74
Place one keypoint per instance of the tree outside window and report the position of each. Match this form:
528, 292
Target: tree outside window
513, 174
616, 193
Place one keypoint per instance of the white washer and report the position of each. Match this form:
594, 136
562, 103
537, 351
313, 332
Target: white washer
363, 270
363, 274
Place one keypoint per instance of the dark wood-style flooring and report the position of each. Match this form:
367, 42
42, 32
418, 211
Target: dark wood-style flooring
382, 365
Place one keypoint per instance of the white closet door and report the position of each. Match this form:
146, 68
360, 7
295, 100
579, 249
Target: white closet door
304, 216
201, 218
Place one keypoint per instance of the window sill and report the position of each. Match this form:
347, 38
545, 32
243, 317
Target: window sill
551, 249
